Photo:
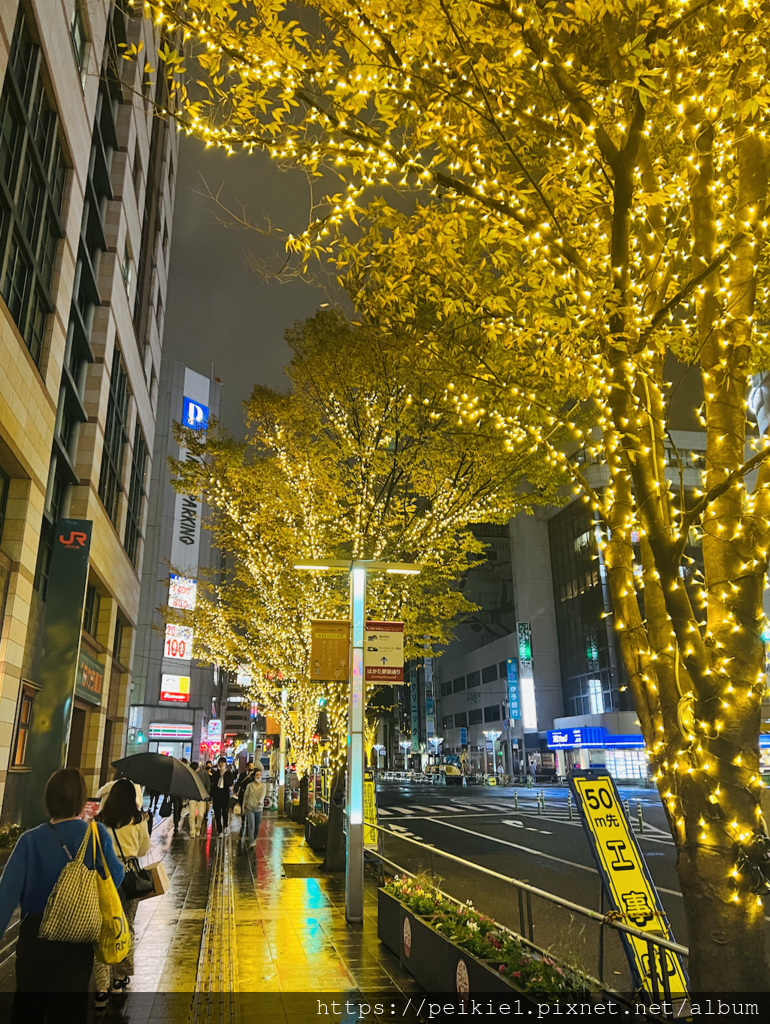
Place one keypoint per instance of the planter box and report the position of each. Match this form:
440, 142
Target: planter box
295, 812
434, 961
315, 835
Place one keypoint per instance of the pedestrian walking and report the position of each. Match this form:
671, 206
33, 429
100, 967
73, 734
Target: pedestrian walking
252, 805
199, 809
128, 827
52, 978
221, 784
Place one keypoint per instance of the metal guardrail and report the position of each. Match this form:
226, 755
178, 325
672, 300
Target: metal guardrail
656, 945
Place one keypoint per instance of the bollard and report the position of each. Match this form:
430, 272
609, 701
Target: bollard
515, 799
539, 803
542, 799
569, 805
639, 816
627, 809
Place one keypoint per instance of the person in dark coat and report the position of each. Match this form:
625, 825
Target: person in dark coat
221, 785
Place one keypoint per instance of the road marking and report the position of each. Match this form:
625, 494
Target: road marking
403, 810
517, 846
398, 828
429, 810
383, 813
520, 824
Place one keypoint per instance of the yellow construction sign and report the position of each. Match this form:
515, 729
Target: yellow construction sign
627, 881
370, 810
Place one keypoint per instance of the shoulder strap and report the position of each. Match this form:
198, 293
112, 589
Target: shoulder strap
120, 848
61, 841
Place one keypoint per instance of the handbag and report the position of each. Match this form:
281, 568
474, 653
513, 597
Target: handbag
165, 807
72, 913
114, 941
137, 881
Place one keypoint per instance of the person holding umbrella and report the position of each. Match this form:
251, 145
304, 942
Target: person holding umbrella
221, 784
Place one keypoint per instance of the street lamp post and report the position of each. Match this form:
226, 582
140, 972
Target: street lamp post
493, 735
405, 745
358, 569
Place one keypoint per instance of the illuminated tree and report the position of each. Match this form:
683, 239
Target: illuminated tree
580, 190
362, 459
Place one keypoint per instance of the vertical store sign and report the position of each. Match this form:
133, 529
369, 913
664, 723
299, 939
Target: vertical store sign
526, 677
514, 707
185, 544
52, 709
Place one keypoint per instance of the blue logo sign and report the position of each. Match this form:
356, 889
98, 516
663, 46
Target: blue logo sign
584, 736
463, 737
195, 415
514, 710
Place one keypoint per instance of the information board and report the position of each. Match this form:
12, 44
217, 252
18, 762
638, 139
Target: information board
627, 881
329, 649
384, 652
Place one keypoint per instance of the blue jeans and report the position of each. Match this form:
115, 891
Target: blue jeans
251, 822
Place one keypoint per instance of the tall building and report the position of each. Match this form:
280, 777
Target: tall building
173, 699
86, 203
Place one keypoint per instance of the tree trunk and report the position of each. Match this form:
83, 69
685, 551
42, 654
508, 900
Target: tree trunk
726, 938
335, 842
304, 787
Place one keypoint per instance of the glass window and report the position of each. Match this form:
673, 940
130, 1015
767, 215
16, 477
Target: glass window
5, 483
474, 679
22, 725
492, 713
446, 689
115, 438
136, 494
32, 176
489, 674
91, 611
474, 717
447, 722
596, 700
78, 35
461, 720
117, 642
128, 264
458, 685
503, 670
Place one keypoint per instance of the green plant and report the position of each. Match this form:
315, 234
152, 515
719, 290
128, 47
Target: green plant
483, 938
318, 818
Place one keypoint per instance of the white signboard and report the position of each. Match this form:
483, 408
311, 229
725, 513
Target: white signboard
214, 731
185, 543
182, 591
179, 642
175, 688
384, 652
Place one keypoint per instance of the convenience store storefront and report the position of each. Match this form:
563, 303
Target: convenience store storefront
624, 756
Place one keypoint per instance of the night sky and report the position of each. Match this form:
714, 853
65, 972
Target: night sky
218, 308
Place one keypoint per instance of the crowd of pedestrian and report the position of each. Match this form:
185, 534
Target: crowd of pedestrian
53, 977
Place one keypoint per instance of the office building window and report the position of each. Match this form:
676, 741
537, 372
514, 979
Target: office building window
446, 722
595, 697
461, 720
492, 713
458, 685
117, 641
489, 674
22, 725
503, 669
91, 611
446, 689
128, 264
32, 177
78, 36
5, 483
475, 717
136, 496
474, 679
115, 438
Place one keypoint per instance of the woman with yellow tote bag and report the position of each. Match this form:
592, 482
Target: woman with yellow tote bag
52, 977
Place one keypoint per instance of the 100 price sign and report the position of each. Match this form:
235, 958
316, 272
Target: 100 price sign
179, 642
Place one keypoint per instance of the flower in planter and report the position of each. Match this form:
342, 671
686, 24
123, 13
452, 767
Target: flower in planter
318, 818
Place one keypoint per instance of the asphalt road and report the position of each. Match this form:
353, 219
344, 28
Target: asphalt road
482, 825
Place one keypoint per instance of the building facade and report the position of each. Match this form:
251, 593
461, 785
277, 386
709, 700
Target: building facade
173, 699
86, 204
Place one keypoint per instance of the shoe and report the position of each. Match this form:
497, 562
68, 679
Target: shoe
253, 846
101, 1000
119, 987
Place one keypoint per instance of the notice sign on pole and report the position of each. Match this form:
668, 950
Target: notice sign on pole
627, 882
329, 649
370, 810
384, 652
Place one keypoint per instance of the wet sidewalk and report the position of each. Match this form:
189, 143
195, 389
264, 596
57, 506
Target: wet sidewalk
239, 936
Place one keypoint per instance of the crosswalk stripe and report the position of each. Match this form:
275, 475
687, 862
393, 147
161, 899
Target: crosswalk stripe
383, 813
403, 810
428, 810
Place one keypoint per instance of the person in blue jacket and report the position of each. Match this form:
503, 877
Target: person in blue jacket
45, 970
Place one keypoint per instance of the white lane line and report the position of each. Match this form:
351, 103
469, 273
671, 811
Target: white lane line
517, 846
403, 810
447, 808
520, 824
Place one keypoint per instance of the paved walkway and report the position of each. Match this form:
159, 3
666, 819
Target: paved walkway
240, 937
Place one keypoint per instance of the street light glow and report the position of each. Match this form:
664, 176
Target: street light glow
320, 568
403, 572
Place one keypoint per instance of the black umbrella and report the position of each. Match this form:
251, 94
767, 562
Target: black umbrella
164, 774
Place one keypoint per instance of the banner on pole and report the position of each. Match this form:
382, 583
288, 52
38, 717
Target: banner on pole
370, 810
329, 649
384, 652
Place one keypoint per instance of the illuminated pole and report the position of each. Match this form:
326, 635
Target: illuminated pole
282, 757
354, 866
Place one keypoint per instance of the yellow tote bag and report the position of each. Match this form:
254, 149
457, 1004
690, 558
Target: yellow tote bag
115, 938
